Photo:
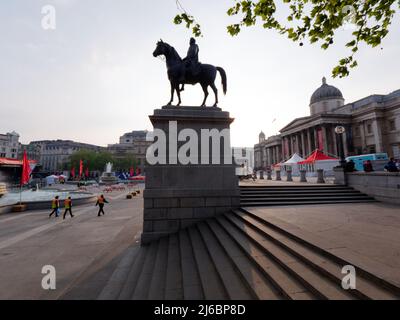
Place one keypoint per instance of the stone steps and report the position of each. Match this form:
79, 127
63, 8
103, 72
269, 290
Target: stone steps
322, 263
299, 195
239, 255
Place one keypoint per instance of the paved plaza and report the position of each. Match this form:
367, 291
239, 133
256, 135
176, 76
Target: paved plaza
86, 249
77, 247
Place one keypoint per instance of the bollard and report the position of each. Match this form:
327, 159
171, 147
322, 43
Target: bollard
289, 175
320, 173
303, 176
269, 175
261, 175
278, 176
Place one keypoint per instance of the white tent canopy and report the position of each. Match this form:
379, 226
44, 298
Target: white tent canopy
292, 165
293, 160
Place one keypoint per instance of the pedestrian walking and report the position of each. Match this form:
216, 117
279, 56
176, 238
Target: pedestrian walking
100, 202
55, 205
68, 207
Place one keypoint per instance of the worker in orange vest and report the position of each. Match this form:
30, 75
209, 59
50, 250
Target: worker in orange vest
55, 205
100, 202
68, 207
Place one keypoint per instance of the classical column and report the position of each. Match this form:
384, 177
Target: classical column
316, 146
279, 149
325, 139
269, 162
362, 133
309, 143
291, 146
377, 136
272, 155
303, 144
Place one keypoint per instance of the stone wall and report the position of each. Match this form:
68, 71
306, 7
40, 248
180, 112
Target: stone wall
383, 186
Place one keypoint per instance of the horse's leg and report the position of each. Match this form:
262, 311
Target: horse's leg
178, 92
172, 95
215, 93
205, 90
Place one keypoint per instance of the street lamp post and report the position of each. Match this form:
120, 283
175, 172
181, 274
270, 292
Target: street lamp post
339, 130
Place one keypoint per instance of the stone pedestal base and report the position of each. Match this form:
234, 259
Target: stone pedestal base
320, 175
340, 176
303, 176
178, 195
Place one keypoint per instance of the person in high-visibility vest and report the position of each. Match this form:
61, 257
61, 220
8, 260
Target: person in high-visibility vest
100, 202
55, 205
68, 207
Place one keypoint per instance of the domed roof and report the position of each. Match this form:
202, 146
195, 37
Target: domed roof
325, 92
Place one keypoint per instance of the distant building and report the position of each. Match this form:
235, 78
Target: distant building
372, 125
9, 145
33, 151
132, 143
54, 154
244, 156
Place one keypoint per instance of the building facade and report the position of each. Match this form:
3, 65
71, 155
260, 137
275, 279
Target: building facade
132, 143
54, 154
372, 125
9, 145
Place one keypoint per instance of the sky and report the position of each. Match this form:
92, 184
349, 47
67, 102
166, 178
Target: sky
94, 77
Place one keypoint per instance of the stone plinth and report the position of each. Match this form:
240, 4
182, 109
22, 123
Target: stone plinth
178, 194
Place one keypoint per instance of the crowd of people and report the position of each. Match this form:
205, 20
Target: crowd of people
392, 166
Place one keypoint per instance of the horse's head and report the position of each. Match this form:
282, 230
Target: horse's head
161, 49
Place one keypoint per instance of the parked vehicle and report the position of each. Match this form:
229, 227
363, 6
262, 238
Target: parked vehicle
359, 160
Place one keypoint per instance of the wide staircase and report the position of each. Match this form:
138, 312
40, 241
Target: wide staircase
251, 196
239, 255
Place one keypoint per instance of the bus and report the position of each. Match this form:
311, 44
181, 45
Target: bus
359, 160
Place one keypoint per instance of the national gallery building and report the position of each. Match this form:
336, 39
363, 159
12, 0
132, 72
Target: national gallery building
372, 125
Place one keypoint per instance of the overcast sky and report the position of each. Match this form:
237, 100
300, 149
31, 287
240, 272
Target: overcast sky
94, 77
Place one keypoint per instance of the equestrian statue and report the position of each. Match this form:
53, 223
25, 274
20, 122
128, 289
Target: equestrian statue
189, 71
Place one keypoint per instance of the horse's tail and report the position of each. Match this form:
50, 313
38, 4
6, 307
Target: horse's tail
223, 76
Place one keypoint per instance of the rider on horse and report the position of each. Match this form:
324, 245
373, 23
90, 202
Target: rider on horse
192, 65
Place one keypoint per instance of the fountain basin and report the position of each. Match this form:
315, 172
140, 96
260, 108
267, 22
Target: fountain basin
39, 200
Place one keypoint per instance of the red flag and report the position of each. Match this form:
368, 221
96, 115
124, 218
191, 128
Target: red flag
80, 168
137, 171
132, 172
73, 172
87, 172
26, 169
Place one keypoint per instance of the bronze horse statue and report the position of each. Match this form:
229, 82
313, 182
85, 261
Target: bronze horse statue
176, 68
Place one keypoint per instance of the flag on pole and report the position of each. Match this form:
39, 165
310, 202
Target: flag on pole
137, 171
87, 172
73, 172
80, 168
131, 172
26, 170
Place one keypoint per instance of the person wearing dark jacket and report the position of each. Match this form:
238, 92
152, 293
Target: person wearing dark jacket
391, 166
100, 202
350, 166
367, 165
